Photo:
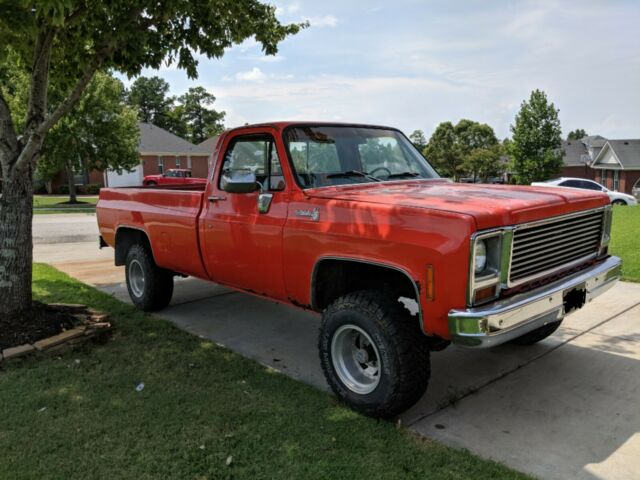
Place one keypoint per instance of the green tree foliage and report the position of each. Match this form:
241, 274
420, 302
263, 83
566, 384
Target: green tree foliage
535, 146
418, 139
443, 151
577, 134
201, 120
60, 45
189, 116
484, 163
99, 133
450, 145
150, 95
473, 135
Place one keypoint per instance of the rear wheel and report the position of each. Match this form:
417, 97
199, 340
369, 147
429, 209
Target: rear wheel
537, 335
373, 354
151, 184
150, 287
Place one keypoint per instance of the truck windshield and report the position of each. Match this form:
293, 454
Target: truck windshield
337, 155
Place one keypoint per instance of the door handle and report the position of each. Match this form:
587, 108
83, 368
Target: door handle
217, 198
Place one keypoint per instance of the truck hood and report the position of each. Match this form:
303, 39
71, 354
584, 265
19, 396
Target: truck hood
490, 205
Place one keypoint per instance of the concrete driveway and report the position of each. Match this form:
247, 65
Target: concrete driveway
568, 407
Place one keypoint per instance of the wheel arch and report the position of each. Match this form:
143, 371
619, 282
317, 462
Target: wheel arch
125, 237
334, 276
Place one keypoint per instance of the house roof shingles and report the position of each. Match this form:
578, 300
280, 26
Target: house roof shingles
628, 152
594, 141
209, 145
575, 153
154, 139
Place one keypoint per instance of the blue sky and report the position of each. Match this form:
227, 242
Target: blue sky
413, 64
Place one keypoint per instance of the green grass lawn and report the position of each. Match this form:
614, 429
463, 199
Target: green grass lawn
625, 240
79, 415
43, 204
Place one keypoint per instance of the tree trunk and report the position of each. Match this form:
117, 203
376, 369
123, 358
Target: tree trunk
72, 184
16, 245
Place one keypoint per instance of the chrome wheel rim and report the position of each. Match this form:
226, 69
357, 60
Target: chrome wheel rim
136, 278
355, 359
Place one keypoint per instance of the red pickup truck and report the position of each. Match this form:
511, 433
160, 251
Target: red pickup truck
350, 221
173, 176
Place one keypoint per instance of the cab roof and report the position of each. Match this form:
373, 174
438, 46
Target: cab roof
281, 125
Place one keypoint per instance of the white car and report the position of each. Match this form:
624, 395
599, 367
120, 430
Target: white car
617, 198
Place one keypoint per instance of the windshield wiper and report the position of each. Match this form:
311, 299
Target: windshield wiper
404, 174
353, 173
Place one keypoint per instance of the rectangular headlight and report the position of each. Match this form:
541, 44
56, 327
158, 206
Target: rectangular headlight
488, 259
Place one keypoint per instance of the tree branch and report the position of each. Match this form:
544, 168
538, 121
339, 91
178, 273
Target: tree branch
39, 80
8, 137
75, 15
34, 141
66, 106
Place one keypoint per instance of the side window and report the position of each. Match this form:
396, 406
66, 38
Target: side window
258, 155
590, 185
571, 183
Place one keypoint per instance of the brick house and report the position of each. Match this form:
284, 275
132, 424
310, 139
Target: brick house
617, 166
159, 151
613, 163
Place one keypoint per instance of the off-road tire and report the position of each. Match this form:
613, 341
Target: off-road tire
158, 282
537, 335
404, 364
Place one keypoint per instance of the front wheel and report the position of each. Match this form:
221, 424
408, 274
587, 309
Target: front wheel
619, 202
150, 287
373, 354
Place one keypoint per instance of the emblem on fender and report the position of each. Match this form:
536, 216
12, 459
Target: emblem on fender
312, 214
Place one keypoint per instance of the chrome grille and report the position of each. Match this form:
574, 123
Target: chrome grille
543, 247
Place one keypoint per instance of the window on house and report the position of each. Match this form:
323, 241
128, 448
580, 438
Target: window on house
616, 180
603, 177
160, 164
189, 163
177, 162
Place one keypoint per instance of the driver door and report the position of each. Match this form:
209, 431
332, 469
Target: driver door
242, 242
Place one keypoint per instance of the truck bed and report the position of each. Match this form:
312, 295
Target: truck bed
168, 214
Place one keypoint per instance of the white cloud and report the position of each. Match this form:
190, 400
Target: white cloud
253, 75
248, 44
322, 21
399, 101
287, 9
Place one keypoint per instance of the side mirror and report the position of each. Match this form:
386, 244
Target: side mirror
239, 181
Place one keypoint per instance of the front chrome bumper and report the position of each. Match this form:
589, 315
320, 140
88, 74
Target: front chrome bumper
504, 320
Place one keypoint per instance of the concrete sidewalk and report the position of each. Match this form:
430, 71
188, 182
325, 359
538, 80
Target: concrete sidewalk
567, 407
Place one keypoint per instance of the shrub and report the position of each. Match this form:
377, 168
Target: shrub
93, 188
